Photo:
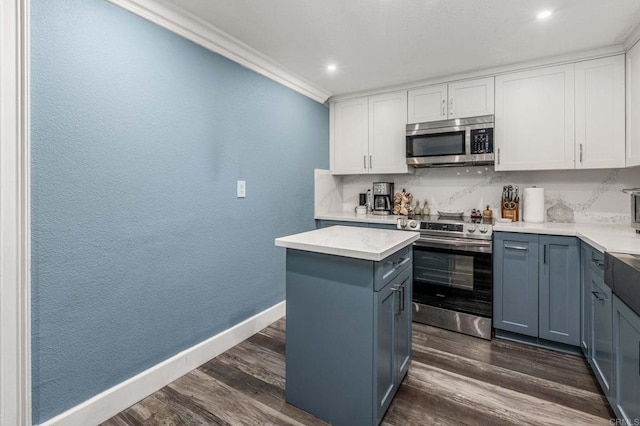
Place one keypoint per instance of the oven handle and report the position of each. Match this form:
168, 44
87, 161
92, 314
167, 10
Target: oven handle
480, 246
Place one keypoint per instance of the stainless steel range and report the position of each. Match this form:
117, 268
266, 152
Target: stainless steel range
452, 273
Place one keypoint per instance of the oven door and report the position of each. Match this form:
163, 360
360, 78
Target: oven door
456, 276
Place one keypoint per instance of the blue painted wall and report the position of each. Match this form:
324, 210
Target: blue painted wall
140, 247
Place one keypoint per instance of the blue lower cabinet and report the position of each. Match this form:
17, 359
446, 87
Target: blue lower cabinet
348, 334
626, 330
536, 286
515, 283
602, 334
559, 291
586, 254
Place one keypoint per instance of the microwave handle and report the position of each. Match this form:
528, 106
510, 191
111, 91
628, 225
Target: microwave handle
632, 191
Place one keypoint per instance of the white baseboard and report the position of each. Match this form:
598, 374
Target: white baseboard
118, 398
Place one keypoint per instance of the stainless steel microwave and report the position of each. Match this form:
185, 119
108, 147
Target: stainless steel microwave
635, 207
457, 142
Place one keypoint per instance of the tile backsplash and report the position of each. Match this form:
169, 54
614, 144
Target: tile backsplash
581, 196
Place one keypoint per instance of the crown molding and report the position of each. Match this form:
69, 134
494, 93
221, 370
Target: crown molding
15, 208
206, 35
632, 39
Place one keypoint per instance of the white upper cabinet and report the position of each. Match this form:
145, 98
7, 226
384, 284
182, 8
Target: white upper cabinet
454, 100
387, 133
534, 113
349, 145
368, 134
600, 120
471, 98
427, 104
633, 106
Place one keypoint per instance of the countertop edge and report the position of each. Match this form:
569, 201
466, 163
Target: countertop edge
356, 254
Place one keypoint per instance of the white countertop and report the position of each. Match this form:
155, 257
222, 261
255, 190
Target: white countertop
602, 236
350, 241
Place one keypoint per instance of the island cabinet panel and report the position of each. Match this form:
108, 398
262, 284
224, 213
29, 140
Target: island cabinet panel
626, 330
348, 334
515, 285
559, 290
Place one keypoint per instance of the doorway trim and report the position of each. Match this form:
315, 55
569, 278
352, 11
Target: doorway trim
15, 208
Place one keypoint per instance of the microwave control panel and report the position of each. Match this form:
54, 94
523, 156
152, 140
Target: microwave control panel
482, 141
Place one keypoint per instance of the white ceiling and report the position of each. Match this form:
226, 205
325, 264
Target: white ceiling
379, 43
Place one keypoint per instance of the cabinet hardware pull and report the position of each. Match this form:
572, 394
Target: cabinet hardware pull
498, 156
444, 105
451, 106
581, 153
402, 298
371, 162
599, 296
396, 290
598, 263
516, 247
364, 158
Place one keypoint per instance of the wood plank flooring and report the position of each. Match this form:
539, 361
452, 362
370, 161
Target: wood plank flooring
453, 380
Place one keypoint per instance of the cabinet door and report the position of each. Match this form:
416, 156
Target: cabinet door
471, 98
585, 298
534, 127
387, 133
633, 106
602, 333
350, 138
600, 98
626, 329
403, 325
515, 283
427, 104
559, 303
386, 303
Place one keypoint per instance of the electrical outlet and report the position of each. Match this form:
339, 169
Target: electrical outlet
241, 189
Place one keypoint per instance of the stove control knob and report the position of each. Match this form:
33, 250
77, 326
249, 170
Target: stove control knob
403, 223
471, 229
484, 229
413, 224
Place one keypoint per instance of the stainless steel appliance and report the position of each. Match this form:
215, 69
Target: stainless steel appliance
453, 273
635, 207
382, 198
458, 142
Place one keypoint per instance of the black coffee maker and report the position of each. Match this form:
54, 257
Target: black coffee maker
382, 198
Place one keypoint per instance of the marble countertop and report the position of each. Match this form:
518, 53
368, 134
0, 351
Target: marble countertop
350, 241
604, 237
619, 237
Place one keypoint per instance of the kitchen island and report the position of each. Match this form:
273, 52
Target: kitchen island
348, 321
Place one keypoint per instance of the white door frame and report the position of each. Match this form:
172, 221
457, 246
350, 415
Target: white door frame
15, 208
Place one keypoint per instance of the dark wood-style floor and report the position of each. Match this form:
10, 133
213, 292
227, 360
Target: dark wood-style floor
453, 380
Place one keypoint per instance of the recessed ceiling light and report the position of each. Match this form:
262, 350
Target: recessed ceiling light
332, 67
544, 14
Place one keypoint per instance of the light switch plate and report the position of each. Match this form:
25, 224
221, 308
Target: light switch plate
241, 189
